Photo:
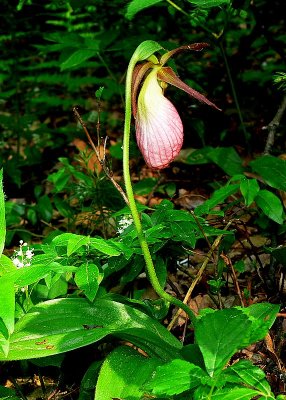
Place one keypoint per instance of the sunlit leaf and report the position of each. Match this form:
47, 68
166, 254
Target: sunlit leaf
176, 377
219, 335
88, 278
2, 214
245, 372
123, 373
60, 325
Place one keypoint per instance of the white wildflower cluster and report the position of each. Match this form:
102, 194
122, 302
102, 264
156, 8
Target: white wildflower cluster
123, 223
23, 256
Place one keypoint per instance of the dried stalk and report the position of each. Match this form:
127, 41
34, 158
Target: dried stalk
101, 161
273, 125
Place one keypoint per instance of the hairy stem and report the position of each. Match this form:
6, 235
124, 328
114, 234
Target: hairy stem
132, 204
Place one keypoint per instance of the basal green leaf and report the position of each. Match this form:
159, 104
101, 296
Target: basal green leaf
271, 205
88, 278
262, 316
58, 286
107, 247
219, 335
137, 5
75, 242
249, 189
61, 325
7, 312
176, 377
6, 265
245, 372
7, 302
123, 373
31, 274
237, 393
2, 214
272, 170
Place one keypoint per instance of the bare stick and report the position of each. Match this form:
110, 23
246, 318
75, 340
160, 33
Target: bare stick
102, 161
199, 274
228, 262
273, 125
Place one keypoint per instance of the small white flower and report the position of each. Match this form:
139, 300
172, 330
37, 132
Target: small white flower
19, 253
23, 258
16, 262
123, 223
29, 254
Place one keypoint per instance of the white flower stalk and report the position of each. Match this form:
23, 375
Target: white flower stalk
23, 256
123, 223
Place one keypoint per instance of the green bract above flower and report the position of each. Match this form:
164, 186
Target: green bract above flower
159, 129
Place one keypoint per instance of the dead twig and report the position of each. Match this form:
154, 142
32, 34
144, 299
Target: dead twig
228, 262
273, 125
101, 160
199, 275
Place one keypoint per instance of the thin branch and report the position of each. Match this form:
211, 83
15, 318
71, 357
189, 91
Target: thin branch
101, 161
199, 274
273, 125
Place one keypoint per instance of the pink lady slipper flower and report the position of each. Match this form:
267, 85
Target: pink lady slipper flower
159, 129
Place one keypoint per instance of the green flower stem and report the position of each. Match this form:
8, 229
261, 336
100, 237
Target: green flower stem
132, 204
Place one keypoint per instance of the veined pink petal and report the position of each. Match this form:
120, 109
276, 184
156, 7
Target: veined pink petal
159, 129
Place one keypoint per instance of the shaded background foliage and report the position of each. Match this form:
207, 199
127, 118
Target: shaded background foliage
55, 55
40, 85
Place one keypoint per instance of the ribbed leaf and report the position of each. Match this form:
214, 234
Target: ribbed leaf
61, 325
123, 373
271, 205
2, 214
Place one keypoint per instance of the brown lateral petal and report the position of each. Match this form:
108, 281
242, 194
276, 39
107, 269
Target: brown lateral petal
166, 74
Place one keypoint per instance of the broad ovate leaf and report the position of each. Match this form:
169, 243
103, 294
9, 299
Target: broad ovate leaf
123, 374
